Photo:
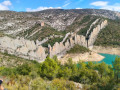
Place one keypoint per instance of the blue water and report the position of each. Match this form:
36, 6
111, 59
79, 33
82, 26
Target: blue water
108, 58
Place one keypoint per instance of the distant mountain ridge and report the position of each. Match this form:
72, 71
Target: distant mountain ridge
98, 12
56, 18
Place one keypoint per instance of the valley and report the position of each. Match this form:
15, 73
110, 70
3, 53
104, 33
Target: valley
42, 38
60, 49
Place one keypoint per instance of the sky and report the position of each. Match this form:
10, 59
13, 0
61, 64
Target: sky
38, 5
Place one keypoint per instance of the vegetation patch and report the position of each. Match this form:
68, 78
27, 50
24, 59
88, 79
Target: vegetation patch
83, 31
79, 22
110, 35
51, 75
52, 41
42, 32
78, 49
8, 60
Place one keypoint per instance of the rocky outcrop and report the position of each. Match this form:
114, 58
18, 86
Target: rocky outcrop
92, 26
61, 48
23, 48
46, 39
66, 36
95, 32
34, 51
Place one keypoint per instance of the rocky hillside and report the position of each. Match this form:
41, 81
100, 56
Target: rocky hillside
110, 35
15, 22
34, 35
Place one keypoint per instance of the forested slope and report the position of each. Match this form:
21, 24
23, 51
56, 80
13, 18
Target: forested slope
110, 35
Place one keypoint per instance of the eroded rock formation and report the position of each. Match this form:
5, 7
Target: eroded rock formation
30, 50
95, 32
23, 48
61, 48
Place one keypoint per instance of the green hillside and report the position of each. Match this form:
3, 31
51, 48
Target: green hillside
51, 75
39, 33
110, 35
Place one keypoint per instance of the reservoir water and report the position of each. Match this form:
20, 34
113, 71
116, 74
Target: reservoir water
108, 58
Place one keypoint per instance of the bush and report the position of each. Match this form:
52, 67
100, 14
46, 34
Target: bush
24, 69
49, 68
60, 84
78, 49
37, 84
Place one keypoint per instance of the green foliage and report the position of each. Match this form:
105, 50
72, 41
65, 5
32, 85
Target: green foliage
94, 76
61, 84
52, 41
87, 76
37, 84
24, 69
116, 67
64, 72
78, 49
49, 68
46, 32
12, 61
2, 34
103, 69
7, 71
39, 33
55, 58
85, 19
91, 65
81, 22
83, 31
110, 35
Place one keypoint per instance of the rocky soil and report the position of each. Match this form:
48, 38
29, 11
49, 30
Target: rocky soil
107, 50
89, 56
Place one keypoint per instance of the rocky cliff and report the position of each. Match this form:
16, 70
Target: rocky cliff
93, 36
22, 48
61, 48
25, 34
34, 51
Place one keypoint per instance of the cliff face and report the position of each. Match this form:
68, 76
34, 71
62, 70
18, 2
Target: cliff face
22, 48
61, 48
33, 29
95, 32
29, 50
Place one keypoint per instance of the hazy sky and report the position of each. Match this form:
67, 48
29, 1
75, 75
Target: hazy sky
37, 5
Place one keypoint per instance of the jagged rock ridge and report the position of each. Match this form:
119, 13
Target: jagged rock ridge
26, 32
28, 49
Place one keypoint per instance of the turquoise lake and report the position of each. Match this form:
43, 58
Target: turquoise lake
108, 58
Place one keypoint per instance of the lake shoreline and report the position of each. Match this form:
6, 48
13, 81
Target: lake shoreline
94, 55
107, 50
85, 57
109, 58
